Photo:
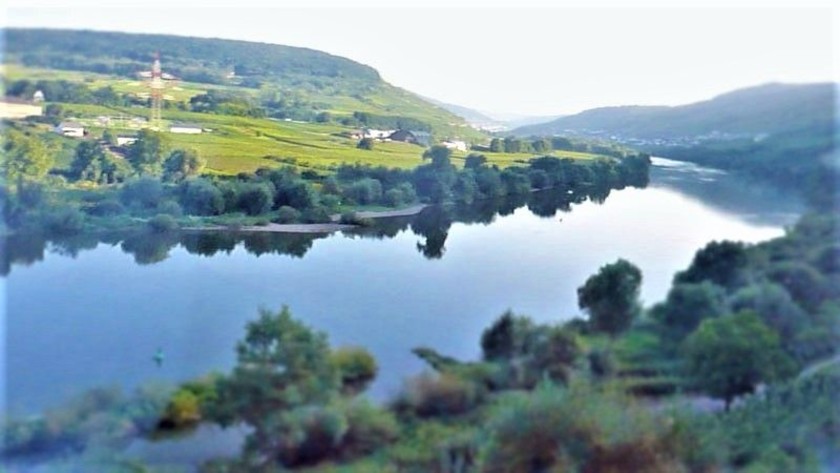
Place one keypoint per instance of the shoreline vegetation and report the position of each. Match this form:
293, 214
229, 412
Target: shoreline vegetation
167, 190
752, 326
334, 226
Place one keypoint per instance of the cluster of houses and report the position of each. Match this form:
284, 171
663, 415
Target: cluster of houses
421, 138
15, 108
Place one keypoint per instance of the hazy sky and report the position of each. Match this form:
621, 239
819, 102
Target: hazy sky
529, 59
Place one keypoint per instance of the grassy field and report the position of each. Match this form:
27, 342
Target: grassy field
384, 99
243, 144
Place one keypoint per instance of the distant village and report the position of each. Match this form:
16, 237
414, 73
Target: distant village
16, 108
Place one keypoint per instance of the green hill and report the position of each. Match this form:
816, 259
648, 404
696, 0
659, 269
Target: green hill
765, 109
287, 82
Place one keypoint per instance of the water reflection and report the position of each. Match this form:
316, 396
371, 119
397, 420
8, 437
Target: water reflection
432, 226
754, 201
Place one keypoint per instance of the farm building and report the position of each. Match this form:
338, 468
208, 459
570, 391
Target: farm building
71, 129
11, 107
376, 134
186, 128
456, 145
416, 137
125, 140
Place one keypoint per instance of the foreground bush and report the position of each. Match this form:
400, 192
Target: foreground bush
431, 395
576, 429
356, 367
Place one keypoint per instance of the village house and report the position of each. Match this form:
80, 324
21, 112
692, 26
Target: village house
456, 145
186, 128
376, 134
125, 140
71, 129
12, 107
421, 138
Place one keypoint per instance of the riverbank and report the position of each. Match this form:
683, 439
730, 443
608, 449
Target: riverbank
327, 227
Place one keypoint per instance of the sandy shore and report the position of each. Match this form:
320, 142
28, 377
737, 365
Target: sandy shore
334, 226
414, 210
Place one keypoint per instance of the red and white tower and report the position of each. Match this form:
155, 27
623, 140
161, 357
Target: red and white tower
156, 85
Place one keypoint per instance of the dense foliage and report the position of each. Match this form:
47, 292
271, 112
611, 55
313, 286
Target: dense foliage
547, 397
193, 59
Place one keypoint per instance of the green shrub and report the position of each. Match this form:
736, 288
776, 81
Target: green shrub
143, 193
365, 143
201, 197
183, 409
255, 199
317, 214
169, 207
575, 429
314, 434
430, 395
369, 428
64, 221
352, 218
107, 208
162, 223
393, 197
356, 366
286, 214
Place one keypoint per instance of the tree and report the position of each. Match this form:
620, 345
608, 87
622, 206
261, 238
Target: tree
721, 262
729, 356
439, 155
356, 367
689, 304
497, 145
145, 192
255, 198
512, 145
282, 366
542, 145
502, 340
200, 197
365, 143
25, 158
474, 160
84, 165
146, 153
109, 137
612, 297
181, 164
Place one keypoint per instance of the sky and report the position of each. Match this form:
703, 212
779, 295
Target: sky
528, 57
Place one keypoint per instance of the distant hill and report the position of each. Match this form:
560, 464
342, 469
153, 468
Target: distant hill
527, 120
470, 115
307, 80
765, 109
193, 59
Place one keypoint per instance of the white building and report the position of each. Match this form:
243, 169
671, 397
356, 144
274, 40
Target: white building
38, 96
456, 145
71, 129
16, 108
185, 128
123, 140
377, 134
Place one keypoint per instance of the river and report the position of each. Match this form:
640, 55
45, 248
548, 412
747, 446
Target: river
94, 314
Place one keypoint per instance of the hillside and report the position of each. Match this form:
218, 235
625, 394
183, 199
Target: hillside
473, 117
765, 109
288, 82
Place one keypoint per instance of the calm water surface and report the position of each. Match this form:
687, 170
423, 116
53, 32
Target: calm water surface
96, 318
